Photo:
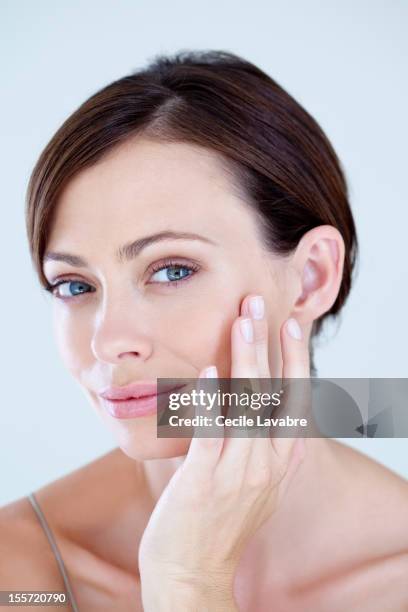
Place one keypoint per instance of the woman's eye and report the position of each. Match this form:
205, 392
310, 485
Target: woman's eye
69, 289
171, 274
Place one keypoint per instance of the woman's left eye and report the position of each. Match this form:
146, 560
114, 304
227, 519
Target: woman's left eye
171, 273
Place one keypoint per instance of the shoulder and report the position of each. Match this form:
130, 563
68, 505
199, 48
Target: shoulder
374, 530
26, 560
26, 557
81, 511
368, 472
377, 501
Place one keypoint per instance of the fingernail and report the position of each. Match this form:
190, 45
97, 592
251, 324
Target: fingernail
293, 328
211, 372
257, 307
247, 330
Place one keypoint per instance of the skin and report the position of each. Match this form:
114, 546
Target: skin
133, 327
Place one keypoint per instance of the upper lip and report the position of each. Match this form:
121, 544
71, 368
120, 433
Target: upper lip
136, 390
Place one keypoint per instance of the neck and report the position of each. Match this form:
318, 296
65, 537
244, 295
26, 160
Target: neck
158, 472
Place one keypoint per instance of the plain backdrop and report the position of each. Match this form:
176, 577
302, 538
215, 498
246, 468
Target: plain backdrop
345, 61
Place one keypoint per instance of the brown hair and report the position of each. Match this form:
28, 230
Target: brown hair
278, 153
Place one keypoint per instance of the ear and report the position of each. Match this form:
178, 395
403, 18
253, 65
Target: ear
318, 263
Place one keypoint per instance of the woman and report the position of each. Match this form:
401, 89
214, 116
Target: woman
192, 220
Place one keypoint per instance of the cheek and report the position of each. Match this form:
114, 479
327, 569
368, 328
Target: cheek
73, 338
198, 329
204, 329
192, 329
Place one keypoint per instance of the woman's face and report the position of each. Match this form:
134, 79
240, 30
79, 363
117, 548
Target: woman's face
126, 320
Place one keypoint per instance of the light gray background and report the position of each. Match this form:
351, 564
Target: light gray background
344, 60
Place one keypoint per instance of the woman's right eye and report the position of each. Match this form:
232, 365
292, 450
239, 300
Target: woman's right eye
68, 289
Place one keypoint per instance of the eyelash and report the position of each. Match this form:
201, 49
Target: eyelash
168, 263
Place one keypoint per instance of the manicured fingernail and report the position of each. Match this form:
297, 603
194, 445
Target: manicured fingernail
211, 372
247, 330
293, 328
257, 307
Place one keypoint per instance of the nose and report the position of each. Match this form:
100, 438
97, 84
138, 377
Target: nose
120, 333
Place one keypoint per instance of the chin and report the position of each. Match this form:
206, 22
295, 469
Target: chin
155, 448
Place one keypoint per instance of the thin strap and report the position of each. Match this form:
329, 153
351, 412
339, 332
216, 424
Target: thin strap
55, 550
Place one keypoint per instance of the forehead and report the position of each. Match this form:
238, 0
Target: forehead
143, 186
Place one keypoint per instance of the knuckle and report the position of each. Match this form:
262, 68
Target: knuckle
227, 489
280, 470
261, 476
226, 496
261, 338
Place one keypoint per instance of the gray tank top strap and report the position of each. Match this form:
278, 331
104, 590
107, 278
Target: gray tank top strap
55, 550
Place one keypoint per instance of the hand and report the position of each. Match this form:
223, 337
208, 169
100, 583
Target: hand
225, 489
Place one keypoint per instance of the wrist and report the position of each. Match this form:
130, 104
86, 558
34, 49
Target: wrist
186, 600
186, 591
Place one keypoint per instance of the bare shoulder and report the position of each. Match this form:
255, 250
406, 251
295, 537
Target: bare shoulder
378, 499
26, 560
369, 472
365, 543
373, 581
82, 509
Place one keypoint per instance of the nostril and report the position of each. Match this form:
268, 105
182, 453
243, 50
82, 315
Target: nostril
129, 353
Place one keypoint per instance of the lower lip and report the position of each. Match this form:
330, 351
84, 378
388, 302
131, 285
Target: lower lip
134, 408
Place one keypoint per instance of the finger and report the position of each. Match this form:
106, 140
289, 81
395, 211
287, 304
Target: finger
297, 393
244, 373
262, 465
207, 386
244, 362
295, 350
249, 363
296, 367
204, 451
253, 306
249, 347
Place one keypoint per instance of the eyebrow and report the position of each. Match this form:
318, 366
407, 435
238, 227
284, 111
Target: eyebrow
131, 250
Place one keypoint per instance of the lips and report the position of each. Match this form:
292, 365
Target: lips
135, 400
133, 391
